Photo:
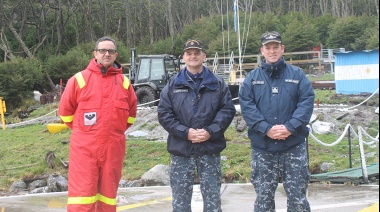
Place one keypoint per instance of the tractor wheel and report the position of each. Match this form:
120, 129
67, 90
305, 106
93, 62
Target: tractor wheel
146, 94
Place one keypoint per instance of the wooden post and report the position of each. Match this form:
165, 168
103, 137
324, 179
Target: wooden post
60, 88
233, 76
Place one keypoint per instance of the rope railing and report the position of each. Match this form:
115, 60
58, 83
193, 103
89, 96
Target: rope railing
348, 126
359, 135
364, 100
30, 121
147, 103
345, 132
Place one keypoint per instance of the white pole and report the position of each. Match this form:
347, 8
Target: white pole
238, 31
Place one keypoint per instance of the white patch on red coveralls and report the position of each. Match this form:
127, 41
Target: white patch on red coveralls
89, 119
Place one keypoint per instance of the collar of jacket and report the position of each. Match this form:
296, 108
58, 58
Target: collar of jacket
273, 69
116, 68
209, 80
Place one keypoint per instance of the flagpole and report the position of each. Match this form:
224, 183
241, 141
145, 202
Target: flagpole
238, 31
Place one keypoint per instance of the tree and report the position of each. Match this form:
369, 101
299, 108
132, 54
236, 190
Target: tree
20, 82
300, 35
52, 30
344, 32
322, 24
369, 38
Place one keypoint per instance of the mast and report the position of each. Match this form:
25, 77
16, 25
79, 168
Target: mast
238, 31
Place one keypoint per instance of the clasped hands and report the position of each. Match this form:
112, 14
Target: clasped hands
198, 135
278, 132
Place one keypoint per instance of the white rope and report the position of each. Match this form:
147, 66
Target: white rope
350, 108
38, 118
228, 30
333, 143
364, 100
224, 50
31, 120
360, 130
373, 140
249, 25
147, 103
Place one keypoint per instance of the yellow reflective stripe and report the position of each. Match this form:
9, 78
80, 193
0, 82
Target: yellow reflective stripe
108, 201
126, 82
131, 120
82, 83
82, 200
80, 79
90, 200
67, 118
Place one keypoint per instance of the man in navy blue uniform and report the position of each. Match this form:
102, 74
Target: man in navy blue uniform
195, 108
277, 101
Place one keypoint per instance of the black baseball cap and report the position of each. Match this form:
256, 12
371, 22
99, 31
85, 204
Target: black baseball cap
272, 36
192, 44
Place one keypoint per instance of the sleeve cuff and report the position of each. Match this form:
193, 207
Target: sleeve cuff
214, 130
290, 127
182, 131
263, 127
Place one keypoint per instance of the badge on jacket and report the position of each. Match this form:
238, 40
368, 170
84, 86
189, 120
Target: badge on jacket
89, 119
274, 90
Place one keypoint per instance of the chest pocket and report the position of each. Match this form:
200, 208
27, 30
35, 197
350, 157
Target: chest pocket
291, 89
88, 116
261, 93
178, 97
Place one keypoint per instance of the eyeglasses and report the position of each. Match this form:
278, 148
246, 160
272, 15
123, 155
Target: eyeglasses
103, 51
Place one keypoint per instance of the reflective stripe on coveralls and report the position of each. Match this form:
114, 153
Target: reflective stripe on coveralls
91, 200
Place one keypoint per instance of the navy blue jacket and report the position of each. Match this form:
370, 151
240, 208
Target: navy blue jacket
181, 108
276, 94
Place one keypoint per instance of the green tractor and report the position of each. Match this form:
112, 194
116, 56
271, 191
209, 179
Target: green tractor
150, 76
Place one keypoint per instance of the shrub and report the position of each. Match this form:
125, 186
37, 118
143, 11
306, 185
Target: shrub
18, 78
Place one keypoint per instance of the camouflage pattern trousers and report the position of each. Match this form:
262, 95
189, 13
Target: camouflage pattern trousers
292, 166
182, 174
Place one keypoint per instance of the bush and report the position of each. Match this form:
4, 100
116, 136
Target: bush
18, 78
64, 66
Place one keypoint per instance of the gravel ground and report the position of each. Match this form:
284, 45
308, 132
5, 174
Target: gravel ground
147, 125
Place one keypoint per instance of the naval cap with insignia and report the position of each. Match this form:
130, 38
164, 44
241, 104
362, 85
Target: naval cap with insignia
193, 44
272, 36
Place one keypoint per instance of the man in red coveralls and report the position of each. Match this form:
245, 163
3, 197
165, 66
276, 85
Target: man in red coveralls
99, 104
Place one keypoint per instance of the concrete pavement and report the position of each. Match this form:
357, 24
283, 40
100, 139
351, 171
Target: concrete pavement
235, 198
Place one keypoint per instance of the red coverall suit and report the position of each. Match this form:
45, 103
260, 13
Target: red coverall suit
99, 109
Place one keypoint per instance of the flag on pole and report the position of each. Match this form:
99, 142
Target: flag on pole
235, 16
